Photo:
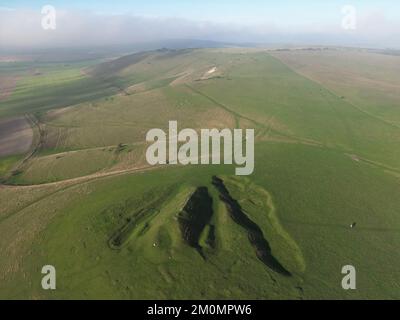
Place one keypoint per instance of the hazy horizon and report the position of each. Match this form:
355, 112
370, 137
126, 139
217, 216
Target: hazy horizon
90, 23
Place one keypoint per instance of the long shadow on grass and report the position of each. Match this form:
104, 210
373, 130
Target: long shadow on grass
255, 234
194, 217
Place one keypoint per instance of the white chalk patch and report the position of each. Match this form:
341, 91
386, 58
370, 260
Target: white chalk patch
212, 70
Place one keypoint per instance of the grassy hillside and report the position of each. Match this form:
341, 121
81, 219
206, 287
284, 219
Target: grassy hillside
369, 81
87, 202
304, 218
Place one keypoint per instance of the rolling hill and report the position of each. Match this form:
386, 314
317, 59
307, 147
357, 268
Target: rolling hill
85, 200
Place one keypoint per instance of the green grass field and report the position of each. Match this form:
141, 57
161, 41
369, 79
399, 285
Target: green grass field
87, 202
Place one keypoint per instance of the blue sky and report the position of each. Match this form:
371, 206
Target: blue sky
283, 12
124, 21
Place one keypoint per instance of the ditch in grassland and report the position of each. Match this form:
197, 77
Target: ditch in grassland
138, 222
255, 234
194, 220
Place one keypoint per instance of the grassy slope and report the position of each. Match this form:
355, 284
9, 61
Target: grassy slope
43, 86
316, 212
106, 122
7, 163
272, 93
370, 81
260, 88
317, 191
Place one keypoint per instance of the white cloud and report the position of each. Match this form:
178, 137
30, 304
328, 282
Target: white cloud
22, 28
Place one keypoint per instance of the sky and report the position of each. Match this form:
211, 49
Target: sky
101, 22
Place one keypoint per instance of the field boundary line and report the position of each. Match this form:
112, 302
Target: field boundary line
70, 183
301, 74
